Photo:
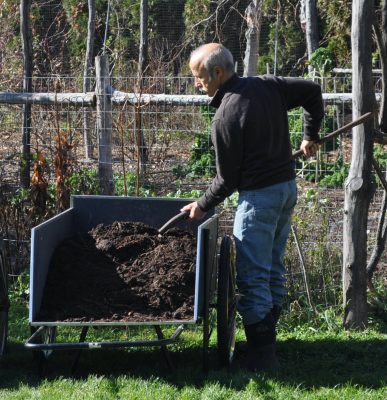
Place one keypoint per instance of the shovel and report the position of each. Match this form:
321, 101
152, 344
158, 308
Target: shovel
184, 214
173, 221
339, 131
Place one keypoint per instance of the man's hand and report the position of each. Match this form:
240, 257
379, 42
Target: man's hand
309, 147
194, 211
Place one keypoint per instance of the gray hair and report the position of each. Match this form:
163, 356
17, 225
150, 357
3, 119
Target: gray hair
220, 57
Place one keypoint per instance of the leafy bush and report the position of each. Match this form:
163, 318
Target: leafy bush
323, 60
296, 127
380, 155
180, 194
85, 181
202, 160
204, 165
336, 179
130, 181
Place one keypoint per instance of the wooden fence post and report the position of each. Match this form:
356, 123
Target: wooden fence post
104, 125
26, 36
358, 185
87, 72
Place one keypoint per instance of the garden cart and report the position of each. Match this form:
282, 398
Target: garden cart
214, 275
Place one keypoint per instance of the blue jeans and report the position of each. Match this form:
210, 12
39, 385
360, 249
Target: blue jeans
261, 228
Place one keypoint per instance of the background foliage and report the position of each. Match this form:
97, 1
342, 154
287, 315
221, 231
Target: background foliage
175, 28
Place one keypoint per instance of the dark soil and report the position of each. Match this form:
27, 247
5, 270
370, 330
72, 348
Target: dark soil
121, 272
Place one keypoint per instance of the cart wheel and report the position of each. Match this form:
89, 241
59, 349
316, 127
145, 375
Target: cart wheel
226, 304
4, 302
47, 336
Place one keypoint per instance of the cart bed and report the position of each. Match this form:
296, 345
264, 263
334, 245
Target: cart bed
85, 213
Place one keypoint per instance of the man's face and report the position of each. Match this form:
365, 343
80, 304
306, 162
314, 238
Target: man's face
202, 79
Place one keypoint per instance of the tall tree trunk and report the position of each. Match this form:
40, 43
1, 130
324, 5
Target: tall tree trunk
311, 26
358, 186
87, 72
142, 65
381, 39
26, 36
253, 16
143, 51
104, 125
308, 19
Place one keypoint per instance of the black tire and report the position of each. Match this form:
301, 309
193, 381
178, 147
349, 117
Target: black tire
4, 301
226, 302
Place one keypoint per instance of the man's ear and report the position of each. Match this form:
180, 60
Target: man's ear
218, 72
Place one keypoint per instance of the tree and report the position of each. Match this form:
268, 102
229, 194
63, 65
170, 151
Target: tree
104, 125
358, 186
143, 48
381, 39
253, 16
308, 18
381, 137
87, 72
26, 36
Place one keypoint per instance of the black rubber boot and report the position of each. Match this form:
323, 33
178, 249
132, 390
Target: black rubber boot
241, 348
261, 345
276, 312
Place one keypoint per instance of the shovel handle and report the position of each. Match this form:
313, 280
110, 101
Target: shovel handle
337, 132
174, 220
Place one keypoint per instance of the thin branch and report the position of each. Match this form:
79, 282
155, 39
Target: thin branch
304, 274
381, 234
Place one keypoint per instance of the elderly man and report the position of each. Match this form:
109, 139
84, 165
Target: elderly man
253, 155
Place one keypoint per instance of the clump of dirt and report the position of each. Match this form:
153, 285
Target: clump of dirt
121, 272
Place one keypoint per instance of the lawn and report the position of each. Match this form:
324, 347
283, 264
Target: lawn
317, 361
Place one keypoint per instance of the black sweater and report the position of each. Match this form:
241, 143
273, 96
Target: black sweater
250, 132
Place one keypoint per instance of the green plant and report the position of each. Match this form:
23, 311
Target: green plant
204, 165
328, 127
380, 155
335, 28
337, 177
202, 161
296, 127
377, 301
232, 200
279, 40
323, 60
129, 180
21, 197
191, 194
84, 181
20, 289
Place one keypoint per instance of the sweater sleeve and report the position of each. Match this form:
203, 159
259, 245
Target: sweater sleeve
227, 139
306, 94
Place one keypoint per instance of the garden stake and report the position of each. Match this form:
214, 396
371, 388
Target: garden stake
301, 255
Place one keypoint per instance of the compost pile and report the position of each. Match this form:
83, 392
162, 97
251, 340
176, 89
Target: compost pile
121, 272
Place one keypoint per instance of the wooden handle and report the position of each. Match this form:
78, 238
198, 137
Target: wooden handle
337, 132
174, 220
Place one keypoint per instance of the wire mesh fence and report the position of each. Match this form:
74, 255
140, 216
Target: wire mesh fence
174, 159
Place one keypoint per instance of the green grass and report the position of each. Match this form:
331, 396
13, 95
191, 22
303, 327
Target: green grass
325, 363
